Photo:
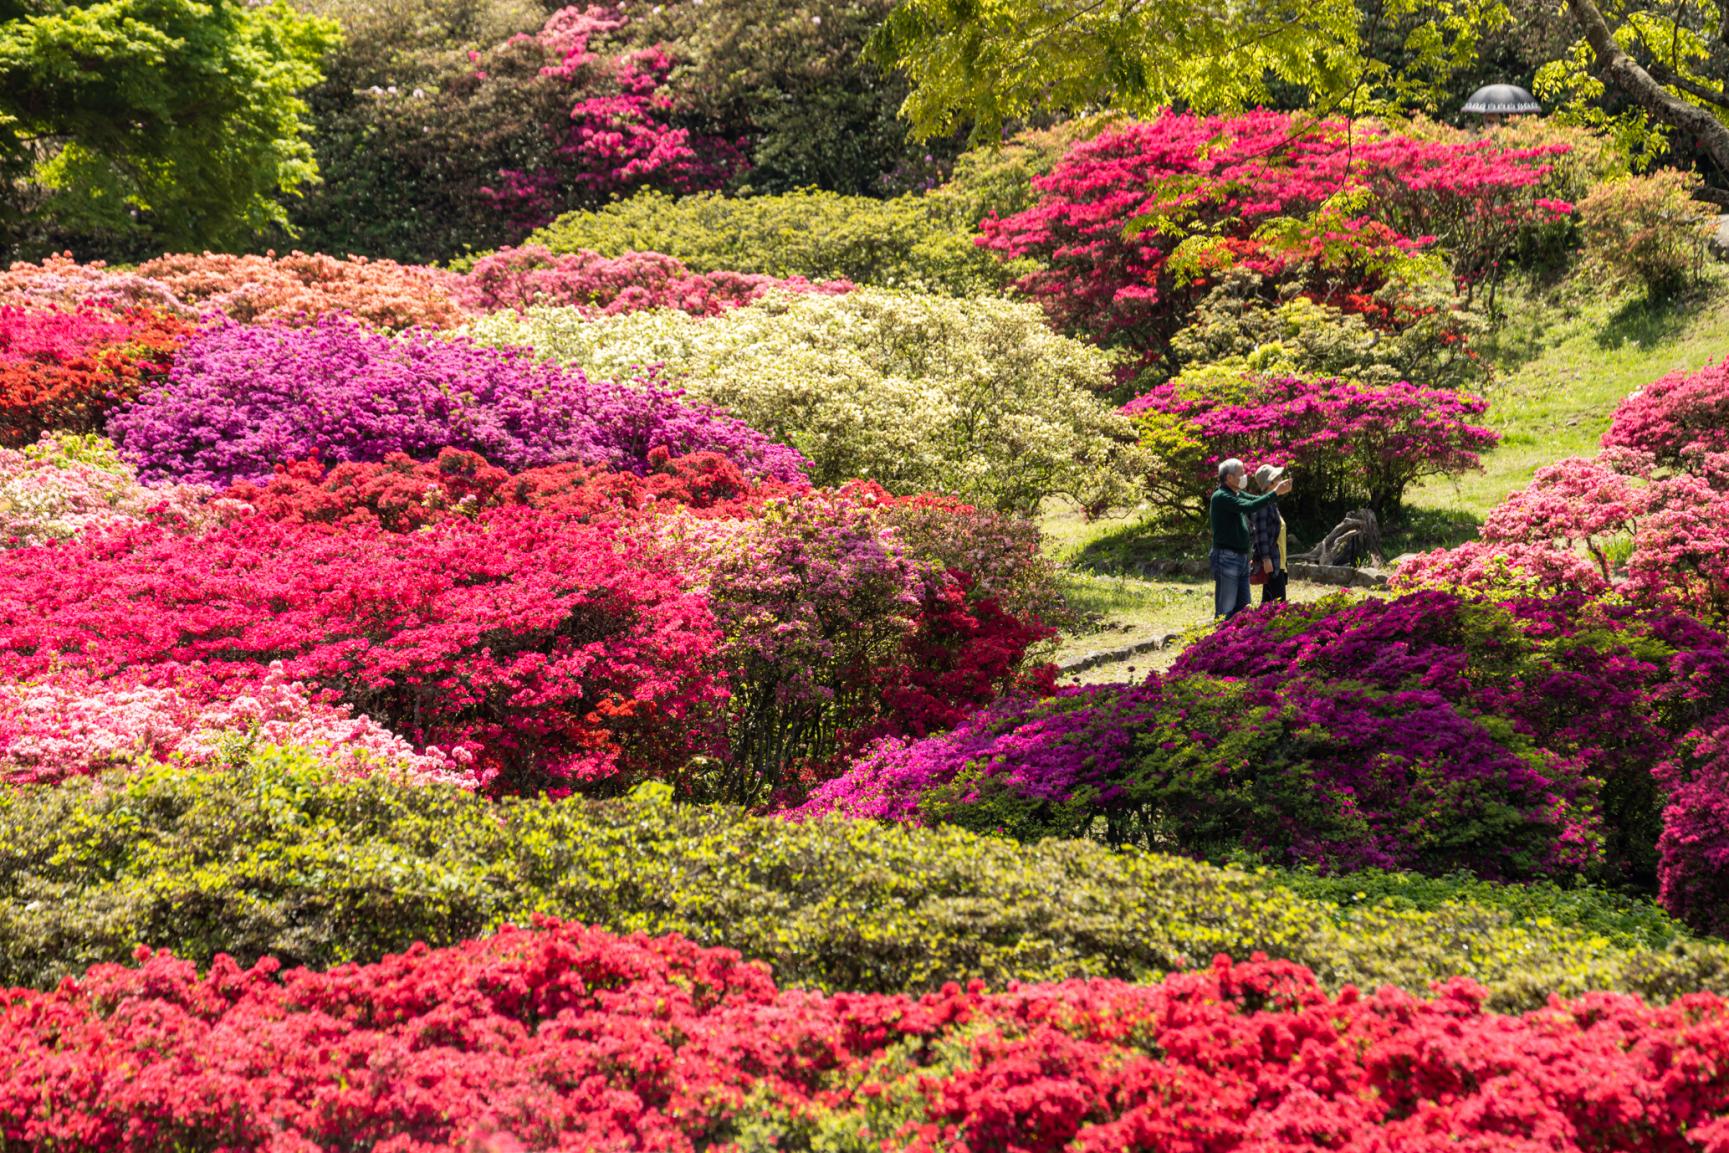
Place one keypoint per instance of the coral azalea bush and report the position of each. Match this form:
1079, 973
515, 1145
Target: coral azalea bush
561, 1036
63, 369
241, 399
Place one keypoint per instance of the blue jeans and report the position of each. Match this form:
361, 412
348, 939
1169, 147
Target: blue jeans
1230, 582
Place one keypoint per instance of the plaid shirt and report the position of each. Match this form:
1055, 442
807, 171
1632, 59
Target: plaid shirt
1264, 527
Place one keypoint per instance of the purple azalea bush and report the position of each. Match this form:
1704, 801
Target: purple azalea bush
1431, 733
243, 398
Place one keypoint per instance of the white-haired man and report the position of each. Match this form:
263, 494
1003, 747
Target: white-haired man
1229, 511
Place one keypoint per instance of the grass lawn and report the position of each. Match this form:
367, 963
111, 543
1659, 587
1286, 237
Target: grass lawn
1566, 363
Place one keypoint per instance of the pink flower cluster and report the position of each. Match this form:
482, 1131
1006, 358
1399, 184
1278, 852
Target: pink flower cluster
532, 274
1349, 441
300, 287
53, 490
564, 1037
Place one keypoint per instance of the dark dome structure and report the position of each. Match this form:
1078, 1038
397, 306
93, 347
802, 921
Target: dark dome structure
1502, 100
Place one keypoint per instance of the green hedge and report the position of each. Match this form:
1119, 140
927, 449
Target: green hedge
278, 857
914, 242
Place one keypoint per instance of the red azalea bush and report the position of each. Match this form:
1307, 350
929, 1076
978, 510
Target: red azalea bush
1221, 180
1348, 442
564, 1037
533, 274
1682, 411
300, 288
553, 652
846, 614
62, 370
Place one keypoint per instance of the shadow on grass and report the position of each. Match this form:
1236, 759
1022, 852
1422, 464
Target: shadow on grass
1643, 322
1133, 546
1422, 529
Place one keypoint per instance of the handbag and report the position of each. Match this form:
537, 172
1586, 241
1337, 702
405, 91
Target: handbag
1259, 576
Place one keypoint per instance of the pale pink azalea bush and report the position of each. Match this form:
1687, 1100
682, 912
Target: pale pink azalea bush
66, 485
634, 281
68, 726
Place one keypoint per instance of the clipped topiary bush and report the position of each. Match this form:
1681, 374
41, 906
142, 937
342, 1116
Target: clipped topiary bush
281, 857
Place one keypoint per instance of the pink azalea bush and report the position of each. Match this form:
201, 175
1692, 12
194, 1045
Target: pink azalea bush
59, 281
1681, 411
65, 485
69, 726
1347, 442
241, 399
534, 275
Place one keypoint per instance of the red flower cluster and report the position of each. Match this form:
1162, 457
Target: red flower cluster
1184, 176
563, 1037
62, 369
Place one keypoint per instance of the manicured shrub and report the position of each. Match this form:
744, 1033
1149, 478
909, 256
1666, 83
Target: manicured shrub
1647, 232
522, 277
281, 856
911, 242
1681, 411
1132, 224
64, 369
972, 397
1429, 733
242, 399
548, 651
65, 484
566, 1036
1347, 443
300, 288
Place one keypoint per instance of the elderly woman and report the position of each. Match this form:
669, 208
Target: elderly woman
1267, 529
1229, 511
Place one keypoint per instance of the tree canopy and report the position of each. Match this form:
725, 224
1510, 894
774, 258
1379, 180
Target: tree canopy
155, 123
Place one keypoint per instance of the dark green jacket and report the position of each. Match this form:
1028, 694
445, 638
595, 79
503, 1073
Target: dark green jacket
1230, 513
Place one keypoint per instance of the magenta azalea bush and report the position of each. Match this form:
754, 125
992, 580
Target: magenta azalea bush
1348, 443
1682, 411
242, 399
1431, 733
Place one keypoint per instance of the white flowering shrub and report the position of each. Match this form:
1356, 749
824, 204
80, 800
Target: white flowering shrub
975, 397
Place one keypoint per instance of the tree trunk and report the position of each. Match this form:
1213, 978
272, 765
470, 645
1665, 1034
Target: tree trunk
1626, 74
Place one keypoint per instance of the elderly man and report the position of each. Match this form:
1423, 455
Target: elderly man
1230, 511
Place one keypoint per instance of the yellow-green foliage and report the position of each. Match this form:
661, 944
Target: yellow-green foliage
281, 857
976, 397
910, 241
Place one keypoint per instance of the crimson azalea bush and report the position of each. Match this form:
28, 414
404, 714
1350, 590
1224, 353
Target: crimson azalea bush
535, 275
549, 651
63, 369
1430, 733
565, 1037
1348, 443
1129, 224
241, 399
